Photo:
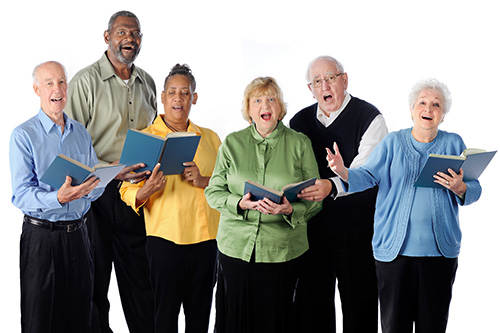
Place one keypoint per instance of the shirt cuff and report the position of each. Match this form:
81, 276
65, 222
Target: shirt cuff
339, 188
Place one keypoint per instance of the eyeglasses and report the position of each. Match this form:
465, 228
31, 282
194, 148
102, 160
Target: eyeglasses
329, 79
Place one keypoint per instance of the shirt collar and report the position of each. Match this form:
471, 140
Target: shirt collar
333, 115
272, 139
48, 124
108, 71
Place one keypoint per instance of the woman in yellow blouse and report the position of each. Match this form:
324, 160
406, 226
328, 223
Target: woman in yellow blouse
180, 226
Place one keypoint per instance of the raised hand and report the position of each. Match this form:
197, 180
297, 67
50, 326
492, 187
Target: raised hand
336, 163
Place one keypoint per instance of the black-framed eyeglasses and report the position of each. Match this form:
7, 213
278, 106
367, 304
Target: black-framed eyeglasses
329, 79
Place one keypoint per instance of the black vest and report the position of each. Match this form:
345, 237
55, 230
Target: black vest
353, 213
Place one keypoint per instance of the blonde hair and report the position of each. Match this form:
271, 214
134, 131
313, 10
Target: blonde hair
262, 86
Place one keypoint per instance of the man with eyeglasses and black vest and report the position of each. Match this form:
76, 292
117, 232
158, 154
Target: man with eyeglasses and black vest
340, 235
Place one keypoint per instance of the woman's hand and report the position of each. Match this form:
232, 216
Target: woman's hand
336, 163
454, 181
246, 203
268, 207
192, 175
155, 183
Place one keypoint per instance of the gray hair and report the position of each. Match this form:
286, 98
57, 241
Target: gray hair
125, 13
430, 84
324, 57
37, 67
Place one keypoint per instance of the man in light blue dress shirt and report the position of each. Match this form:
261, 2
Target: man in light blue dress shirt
55, 258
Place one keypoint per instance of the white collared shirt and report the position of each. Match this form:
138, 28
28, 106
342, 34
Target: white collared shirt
328, 120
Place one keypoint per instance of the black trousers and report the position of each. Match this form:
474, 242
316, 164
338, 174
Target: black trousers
415, 290
349, 260
118, 237
56, 280
182, 274
256, 297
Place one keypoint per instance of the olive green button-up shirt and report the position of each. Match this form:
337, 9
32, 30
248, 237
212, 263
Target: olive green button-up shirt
108, 106
283, 157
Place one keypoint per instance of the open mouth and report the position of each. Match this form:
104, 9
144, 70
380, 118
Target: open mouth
266, 116
327, 98
426, 118
130, 48
56, 100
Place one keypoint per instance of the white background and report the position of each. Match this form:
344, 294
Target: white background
385, 46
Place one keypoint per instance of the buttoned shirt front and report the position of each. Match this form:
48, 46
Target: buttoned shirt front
108, 106
283, 157
33, 146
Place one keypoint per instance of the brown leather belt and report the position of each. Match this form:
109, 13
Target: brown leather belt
68, 226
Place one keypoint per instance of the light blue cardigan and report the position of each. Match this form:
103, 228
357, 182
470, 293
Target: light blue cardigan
394, 167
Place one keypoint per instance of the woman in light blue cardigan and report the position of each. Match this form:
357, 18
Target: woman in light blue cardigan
417, 235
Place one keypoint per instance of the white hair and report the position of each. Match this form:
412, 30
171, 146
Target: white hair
37, 67
430, 84
340, 68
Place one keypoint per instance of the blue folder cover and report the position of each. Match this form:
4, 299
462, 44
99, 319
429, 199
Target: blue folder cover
171, 151
63, 166
259, 191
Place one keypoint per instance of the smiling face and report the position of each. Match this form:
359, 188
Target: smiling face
177, 98
51, 86
427, 112
330, 96
124, 40
264, 110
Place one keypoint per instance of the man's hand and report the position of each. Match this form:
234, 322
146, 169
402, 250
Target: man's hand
127, 175
336, 163
68, 193
317, 192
